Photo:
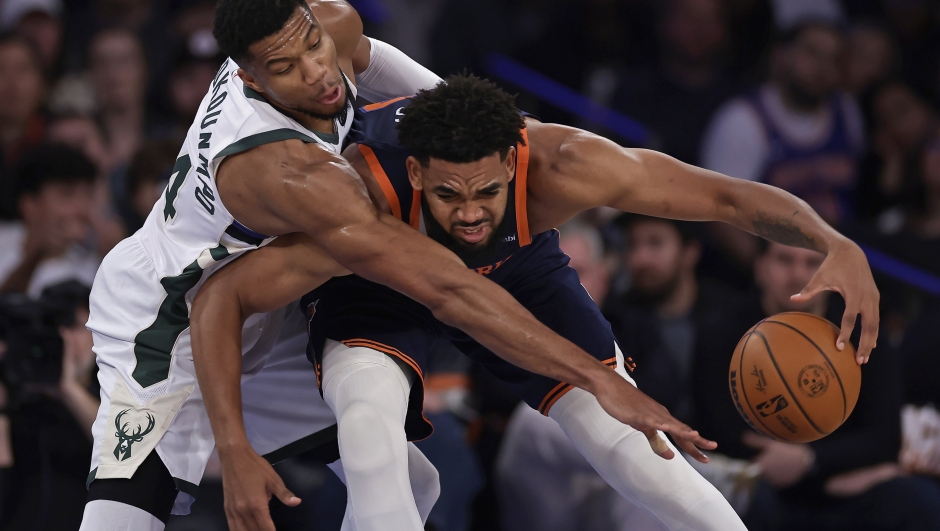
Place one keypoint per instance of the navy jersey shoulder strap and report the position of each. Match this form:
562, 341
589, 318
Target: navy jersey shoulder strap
376, 134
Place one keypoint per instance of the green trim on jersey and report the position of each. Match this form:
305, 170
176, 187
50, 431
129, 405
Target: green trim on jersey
259, 139
253, 94
153, 346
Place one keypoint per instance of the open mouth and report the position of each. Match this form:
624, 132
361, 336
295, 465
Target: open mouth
332, 96
472, 234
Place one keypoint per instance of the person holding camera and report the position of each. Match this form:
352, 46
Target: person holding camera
47, 376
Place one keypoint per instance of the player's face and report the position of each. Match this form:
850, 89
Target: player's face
783, 271
297, 69
467, 200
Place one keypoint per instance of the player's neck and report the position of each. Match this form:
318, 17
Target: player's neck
319, 125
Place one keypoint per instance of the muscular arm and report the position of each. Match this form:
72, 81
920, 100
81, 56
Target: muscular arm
309, 190
571, 171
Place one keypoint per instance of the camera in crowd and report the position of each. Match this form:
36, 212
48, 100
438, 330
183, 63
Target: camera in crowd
30, 329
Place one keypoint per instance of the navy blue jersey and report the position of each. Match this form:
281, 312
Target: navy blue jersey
533, 269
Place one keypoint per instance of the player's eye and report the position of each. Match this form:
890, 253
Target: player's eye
489, 193
285, 70
447, 197
314, 45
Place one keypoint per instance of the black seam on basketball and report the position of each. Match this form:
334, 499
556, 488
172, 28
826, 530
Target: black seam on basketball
845, 403
744, 393
785, 384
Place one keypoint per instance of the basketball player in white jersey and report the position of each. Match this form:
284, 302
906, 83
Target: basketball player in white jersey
262, 160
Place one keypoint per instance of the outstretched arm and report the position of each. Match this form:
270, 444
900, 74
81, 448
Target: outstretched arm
310, 190
572, 170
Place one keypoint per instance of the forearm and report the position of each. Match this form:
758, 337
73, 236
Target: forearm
216, 337
760, 209
390, 73
470, 302
500, 323
82, 404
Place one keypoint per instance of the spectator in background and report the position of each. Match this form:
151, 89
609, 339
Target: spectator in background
196, 67
903, 123
659, 320
50, 427
796, 131
871, 58
83, 134
677, 97
585, 248
149, 21
119, 73
845, 481
22, 89
54, 195
542, 481
39, 22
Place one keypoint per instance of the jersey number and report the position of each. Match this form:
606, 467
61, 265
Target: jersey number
177, 177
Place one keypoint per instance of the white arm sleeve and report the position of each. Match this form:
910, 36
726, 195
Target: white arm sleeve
735, 143
391, 73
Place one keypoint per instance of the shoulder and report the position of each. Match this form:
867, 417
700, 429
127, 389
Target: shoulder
376, 124
287, 159
342, 22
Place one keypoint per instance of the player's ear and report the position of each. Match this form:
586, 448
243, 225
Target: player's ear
511, 162
249, 80
414, 172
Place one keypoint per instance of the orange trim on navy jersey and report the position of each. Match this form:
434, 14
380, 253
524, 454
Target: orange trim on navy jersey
387, 349
392, 351
447, 380
562, 389
522, 173
414, 219
382, 178
383, 104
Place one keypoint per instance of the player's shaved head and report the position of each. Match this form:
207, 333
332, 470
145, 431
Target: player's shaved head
241, 23
462, 120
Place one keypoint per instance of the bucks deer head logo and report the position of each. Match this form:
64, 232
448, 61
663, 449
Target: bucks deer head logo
125, 440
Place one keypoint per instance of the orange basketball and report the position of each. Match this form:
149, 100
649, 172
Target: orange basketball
789, 381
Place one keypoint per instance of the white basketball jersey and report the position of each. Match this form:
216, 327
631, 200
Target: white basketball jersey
190, 233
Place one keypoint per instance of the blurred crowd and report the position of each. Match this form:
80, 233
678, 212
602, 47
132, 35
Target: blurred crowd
836, 102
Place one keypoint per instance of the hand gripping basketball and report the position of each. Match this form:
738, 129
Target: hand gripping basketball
845, 271
631, 406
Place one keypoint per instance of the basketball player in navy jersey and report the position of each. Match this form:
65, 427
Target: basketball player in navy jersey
462, 163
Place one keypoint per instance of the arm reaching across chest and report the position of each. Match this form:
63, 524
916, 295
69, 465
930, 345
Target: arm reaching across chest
571, 170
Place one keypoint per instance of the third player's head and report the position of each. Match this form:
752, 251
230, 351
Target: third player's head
283, 53
463, 136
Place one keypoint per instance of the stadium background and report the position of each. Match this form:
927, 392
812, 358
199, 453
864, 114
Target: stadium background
839, 98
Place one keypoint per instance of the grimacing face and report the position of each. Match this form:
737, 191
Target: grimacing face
467, 200
297, 68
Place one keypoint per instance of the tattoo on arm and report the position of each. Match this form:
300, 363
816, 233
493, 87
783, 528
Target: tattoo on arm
784, 231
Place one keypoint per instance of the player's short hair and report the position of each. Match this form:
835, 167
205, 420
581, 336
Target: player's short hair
241, 23
462, 119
